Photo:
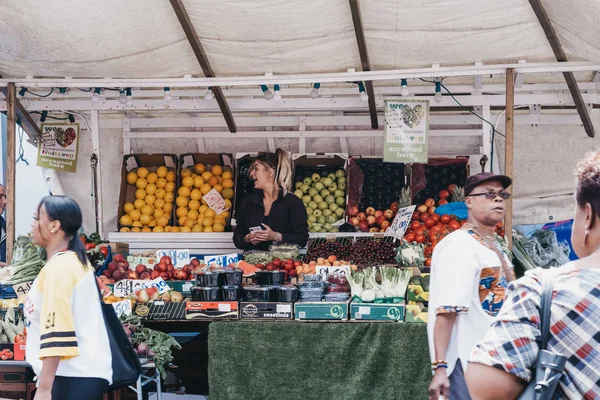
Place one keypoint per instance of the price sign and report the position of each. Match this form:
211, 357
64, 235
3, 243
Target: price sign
401, 222
22, 288
122, 307
178, 257
325, 271
130, 286
222, 260
160, 284
215, 201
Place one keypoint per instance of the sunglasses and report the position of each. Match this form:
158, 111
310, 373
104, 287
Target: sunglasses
491, 195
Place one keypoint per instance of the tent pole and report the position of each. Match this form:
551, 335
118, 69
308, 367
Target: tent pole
10, 169
508, 152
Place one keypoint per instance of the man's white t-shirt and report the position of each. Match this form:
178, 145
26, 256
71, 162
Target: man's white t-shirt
466, 278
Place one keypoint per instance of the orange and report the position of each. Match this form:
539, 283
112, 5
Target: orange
161, 172
147, 209
210, 213
193, 205
227, 194
170, 187
217, 170
181, 220
160, 193
145, 219
161, 183
227, 203
152, 223
208, 222
219, 228
198, 181
227, 183
185, 173
174, 229
136, 229
226, 214
188, 181
158, 213
213, 180
167, 228
203, 208
146, 229
131, 177
125, 220
142, 172
162, 221
196, 194
196, 228
181, 201
137, 223
218, 188
135, 215
152, 177
206, 175
150, 199
159, 203
181, 212
126, 229
185, 229
140, 194
128, 207
208, 229
227, 175
139, 203
193, 214
141, 183
205, 188
189, 222
170, 177
199, 168
151, 188
158, 229
184, 191
169, 197
168, 207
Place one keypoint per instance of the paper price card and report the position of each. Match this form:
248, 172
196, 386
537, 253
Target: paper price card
158, 283
401, 222
122, 308
215, 201
325, 271
179, 257
22, 288
130, 286
221, 260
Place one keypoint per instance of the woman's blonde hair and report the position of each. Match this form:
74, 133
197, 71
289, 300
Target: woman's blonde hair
281, 163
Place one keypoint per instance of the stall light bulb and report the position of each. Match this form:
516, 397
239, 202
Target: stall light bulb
96, 95
438, 93
122, 97
44, 115
276, 94
404, 88
129, 98
22, 91
209, 96
168, 96
266, 92
71, 118
364, 97
63, 90
314, 94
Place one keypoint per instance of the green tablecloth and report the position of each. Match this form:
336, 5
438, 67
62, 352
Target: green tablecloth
318, 360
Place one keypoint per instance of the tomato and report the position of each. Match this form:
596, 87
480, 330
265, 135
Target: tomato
445, 218
90, 246
420, 238
429, 223
442, 202
500, 225
428, 262
436, 217
429, 203
451, 188
444, 194
104, 251
415, 225
425, 217
463, 223
436, 228
428, 251
410, 237
415, 216
454, 225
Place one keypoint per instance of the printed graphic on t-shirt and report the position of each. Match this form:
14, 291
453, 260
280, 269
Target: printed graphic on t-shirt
492, 288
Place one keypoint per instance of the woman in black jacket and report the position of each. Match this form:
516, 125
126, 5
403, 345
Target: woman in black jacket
280, 215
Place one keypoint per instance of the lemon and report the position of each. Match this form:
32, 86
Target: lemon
167, 228
140, 194
206, 175
189, 222
137, 223
141, 183
139, 203
196, 194
219, 228
145, 219
217, 170
170, 177
210, 213
213, 181
193, 204
152, 223
185, 173
161, 183
167, 208
185, 229
161, 172
170, 187
199, 168
124, 229
227, 175
208, 222
195, 228
188, 181
150, 199
169, 197
198, 181
159, 203
162, 221
135, 215
181, 212
151, 188
208, 229
220, 219
184, 191
181, 220
128, 207
142, 172
203, 209
125, 220
227, 194
131, 177
147, 209
181, 201
205, 188
158, 229
152, 177
174, 229
226, 214
227, 183
218, 188
136, 229
193, 214
227, 203
160, 193
158, 212
146, 229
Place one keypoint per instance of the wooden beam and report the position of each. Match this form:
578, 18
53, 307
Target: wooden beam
29, 126
194, 41
561, 56
364, 58
508, 149
11, 96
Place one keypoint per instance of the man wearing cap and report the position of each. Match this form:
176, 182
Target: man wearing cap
469, 275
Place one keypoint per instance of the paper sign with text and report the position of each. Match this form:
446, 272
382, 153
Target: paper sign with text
406, 131
221, 260
401, 222
22, 288
122, 307
179, 257
58, 147
325, 271
215, 201
129, 286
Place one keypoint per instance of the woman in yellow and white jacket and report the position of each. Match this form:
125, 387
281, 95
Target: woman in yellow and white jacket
67, 343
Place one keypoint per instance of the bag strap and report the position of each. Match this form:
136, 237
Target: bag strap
545, 305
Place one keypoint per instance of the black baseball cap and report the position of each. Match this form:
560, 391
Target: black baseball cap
475, 180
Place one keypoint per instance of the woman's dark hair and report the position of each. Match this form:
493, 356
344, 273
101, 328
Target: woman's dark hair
66, 211
588, 182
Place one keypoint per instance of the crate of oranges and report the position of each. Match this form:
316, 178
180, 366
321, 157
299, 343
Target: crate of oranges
146, 200
202, 176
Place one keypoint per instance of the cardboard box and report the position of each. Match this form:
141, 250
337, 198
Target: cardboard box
266, 311
118, 247
160, 310
321, 310
416, 292
211, 310
13, 383
134, 161
392, 312
416, 313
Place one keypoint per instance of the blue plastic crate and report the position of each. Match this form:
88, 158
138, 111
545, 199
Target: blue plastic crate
7, 292
107, 261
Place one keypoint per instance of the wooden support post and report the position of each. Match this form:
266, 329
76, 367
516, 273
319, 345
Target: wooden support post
508, 151
10, 169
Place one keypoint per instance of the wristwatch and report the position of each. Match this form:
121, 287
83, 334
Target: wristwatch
279, 237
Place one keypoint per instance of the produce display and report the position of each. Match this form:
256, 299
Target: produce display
12, 328
192, 213
382, 183
392, 287
315, 289
372, 220
324, 195
95, 248
27, 262
440, 181
119, 269
151, 211
359, 251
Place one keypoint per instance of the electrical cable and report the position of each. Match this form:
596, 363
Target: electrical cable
39, 95
21, 150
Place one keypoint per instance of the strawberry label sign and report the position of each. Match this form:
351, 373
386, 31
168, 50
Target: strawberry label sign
58, 147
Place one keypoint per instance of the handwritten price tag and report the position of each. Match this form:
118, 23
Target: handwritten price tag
22, 288
122, 307
401, 222
160, 284
221, 260
215, 201
324, 271
129, 286
179, 257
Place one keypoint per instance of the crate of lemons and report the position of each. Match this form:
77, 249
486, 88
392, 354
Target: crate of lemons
154, 197
191, 213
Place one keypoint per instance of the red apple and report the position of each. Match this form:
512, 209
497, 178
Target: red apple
118, 258
389, 214
119, 275
374, 230
269, 267
394, 206
297, 263
106, 273
112, 266
430, 202
161, 267
431, 210
370, 211
379, 220
145, 275
378, 213
166, 260
353, 211
194, 262
371, 220
422, 208
362, 216
354, 221
154, 274
442, 202
132, 275
140, 268
363, 225
385, 225
164, 275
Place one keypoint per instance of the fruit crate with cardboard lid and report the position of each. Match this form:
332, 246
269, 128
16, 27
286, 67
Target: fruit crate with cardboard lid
199, 175
429, 180
143, 166
331, 208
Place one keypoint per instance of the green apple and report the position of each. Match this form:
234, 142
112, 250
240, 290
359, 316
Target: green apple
316, 228
339, 213
299, 193
332, 219
317, 199
317, 213
312, 192
333, 207
327, 227
309, 210
319, 186
312, 219
306, 199
310, 224
341, 180
316, 177
342, 186
340, 201
334, 230
338, 193
323, 205
324, 193
313, 205
304, 188
297, 185
327, 181
331, 176
332, 188
329, 199
327, 212
307, 181
340, 173
322, 220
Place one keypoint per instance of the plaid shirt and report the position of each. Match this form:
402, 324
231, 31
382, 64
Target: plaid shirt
512, 342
